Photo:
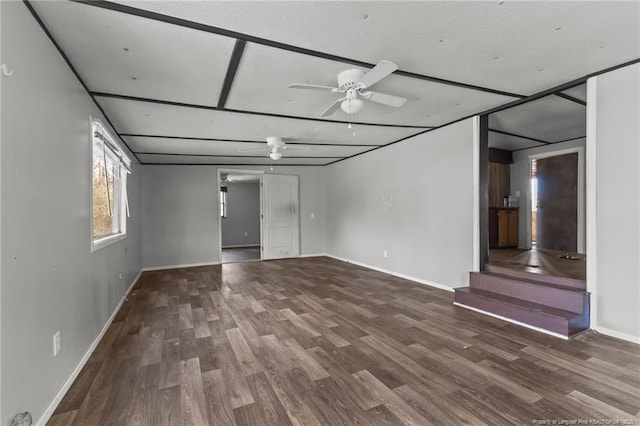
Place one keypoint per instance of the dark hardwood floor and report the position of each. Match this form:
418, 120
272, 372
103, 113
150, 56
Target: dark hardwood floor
240, 254
319, 341
544, 262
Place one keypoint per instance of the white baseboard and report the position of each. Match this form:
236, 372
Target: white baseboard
395, 274
184, 265
618, 335
241, 246
314, 255
532, 327
76, 371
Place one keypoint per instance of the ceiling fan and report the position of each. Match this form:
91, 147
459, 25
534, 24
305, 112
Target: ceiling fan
354, 84
275, 146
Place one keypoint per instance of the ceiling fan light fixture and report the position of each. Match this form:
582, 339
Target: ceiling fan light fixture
275, 155
351, 106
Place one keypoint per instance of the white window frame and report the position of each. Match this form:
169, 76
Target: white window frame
223, 202
121, 204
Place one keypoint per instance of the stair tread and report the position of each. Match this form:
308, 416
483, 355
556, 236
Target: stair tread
533, 281
530, 306
536, 276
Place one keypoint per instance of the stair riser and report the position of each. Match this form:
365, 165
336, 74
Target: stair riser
547, 322
568, 282
562, 299
583, 322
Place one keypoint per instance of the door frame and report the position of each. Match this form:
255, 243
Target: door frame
580, 195
219, 182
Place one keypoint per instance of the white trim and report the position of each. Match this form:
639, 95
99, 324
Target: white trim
592, 276
395, 274
76, 371
618, 335
100, 243
476, 193
184, 265
580, 196
532, 327
315, 255
241, 246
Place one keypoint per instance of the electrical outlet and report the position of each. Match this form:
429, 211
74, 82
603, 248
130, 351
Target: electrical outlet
56, 343
246, 233
313, 216
384, 253
120, 275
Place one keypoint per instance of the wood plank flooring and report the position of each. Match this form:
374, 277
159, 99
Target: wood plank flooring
240, 254
545, 262
317, 341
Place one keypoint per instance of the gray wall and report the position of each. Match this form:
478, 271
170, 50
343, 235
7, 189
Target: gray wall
521, 181
179, 205
50, 279
243, 215
413, 199
617, 191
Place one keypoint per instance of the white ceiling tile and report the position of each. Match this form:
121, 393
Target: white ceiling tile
551, 119
127, 55
186, 159
152, 119
213, 147
518, 46
265, 73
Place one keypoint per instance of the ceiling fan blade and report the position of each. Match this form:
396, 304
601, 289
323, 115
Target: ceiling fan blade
377, 73
254, 149
332, 108
297, 148
383, 98
312, 87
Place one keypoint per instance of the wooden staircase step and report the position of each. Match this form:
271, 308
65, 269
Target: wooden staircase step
550, 279
544, 293
556, 321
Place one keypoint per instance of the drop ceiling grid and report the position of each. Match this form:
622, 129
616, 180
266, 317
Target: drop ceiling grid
510, 143
264, 74
186, 159
142, 145
578, 92
147, 118
521, 47
551, 119
128, 55
445, 103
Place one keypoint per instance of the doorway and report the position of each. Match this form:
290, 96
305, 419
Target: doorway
535, 177
258, 216
240, 221
556, 209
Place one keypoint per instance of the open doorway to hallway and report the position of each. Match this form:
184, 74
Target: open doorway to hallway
536, 191
240, 227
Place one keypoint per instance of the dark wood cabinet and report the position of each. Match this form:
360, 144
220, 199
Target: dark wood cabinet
499, 183
503, 227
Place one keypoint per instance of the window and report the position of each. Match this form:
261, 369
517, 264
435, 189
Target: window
223, 201
110, 207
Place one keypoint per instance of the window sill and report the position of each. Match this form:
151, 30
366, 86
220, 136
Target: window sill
103, 242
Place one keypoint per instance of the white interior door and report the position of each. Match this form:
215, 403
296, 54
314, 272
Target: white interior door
281, 223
